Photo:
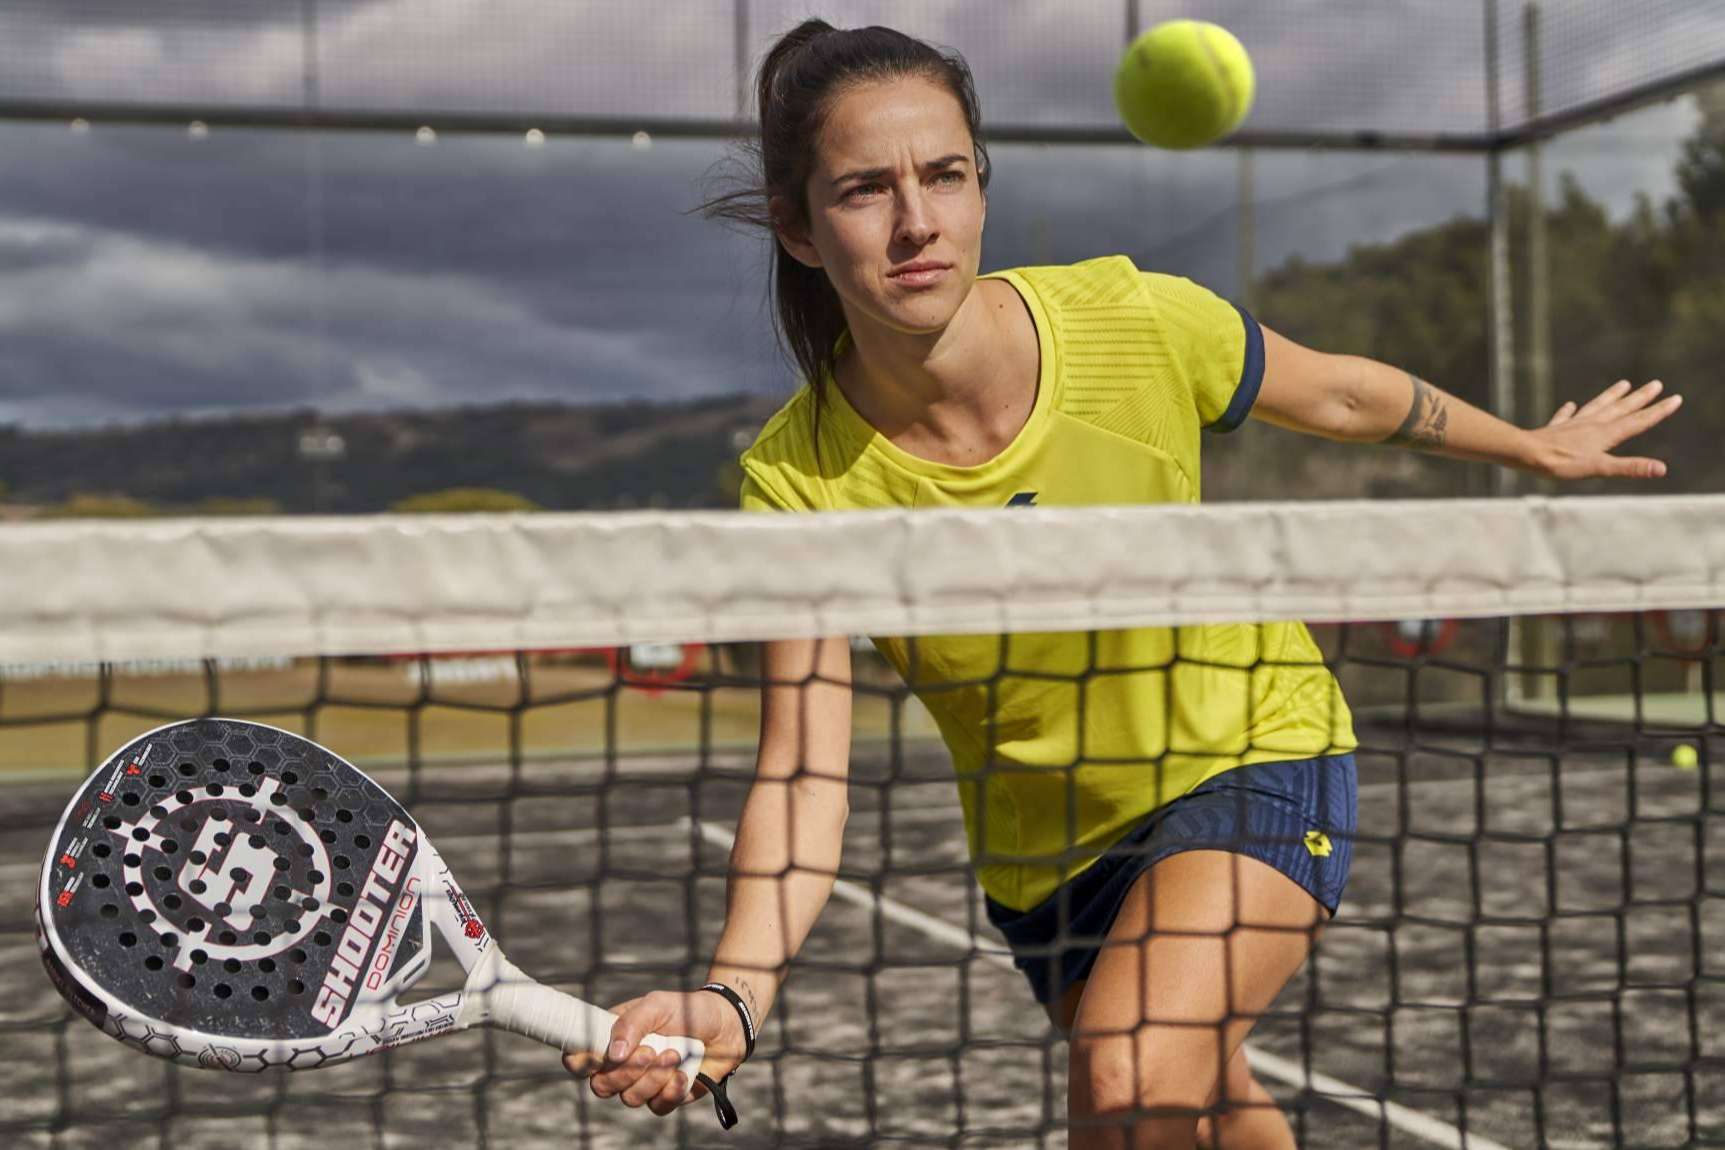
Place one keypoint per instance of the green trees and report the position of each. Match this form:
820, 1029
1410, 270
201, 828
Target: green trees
1701, 171
460, 499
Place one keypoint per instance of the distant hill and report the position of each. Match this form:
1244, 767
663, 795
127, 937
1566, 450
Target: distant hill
561, 457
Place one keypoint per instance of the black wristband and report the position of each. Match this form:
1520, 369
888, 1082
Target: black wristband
736, 1000
721, 1101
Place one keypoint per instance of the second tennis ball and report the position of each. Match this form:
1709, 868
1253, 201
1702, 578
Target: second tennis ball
1184, 84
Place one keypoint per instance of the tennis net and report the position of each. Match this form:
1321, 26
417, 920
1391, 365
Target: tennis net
1526, 954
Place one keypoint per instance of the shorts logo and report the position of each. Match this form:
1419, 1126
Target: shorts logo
1318, 843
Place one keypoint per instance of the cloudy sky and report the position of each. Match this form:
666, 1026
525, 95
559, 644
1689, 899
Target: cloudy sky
145, 272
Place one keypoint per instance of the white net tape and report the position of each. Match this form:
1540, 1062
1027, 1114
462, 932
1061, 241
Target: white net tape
289, 587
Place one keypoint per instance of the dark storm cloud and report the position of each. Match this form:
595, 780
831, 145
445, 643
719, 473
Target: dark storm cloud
592, 57
471, 270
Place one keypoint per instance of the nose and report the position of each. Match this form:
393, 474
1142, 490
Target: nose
916, 226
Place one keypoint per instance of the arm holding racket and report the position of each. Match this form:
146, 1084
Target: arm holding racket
233, 896
782, 868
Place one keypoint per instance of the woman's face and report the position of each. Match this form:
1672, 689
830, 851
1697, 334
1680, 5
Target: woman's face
893, 190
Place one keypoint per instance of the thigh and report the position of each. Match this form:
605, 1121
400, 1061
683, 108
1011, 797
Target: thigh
1064, 1009
1201, 947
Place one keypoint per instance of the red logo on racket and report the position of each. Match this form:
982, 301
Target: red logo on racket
64, 899
470, 924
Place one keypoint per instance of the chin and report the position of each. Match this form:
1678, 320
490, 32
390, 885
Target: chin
929, 319
944, 298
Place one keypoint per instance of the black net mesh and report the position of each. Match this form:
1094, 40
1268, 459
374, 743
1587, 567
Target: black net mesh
1592, 50
1527, 950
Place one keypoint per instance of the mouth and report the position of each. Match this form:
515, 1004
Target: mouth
919, 274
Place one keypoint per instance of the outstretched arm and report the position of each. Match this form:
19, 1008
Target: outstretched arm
1357, 400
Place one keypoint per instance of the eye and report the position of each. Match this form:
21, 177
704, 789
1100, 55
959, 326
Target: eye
854, 192
953, 178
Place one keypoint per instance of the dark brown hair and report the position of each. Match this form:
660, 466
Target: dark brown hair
805, 71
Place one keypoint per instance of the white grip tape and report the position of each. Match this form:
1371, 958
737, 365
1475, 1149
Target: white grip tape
514, 1002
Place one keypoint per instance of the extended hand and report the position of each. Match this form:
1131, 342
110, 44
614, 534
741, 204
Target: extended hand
1577, 443
640, 1077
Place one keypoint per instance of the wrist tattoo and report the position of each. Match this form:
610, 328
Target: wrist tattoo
1428, 419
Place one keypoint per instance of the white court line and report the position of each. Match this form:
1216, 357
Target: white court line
1421, 1126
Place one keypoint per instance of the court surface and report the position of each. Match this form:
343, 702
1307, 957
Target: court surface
1402, 988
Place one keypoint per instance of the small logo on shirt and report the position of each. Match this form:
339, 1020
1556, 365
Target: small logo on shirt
1023, 499
1318, 843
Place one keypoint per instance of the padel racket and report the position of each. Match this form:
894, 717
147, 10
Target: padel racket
236, 897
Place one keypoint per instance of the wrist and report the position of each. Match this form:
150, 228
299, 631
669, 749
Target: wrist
1534, 453
757, 986
742, 1024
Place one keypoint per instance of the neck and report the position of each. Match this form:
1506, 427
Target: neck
955, 387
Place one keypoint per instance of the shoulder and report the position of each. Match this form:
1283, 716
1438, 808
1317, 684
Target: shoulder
1114, 280
1183, 299
1106, 281
787, 433
781, 467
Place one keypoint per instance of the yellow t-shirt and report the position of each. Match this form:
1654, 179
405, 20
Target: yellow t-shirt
1061, 742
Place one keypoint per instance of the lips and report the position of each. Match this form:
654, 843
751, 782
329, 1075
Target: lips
919, 273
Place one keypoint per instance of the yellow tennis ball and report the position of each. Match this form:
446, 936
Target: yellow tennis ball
1685, 757
1184, 84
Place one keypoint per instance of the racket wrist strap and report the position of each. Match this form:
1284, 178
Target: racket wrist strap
721, 1100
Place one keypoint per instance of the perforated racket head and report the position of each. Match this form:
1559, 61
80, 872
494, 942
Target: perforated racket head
231, 894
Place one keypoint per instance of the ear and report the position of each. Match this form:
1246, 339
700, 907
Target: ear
791, 237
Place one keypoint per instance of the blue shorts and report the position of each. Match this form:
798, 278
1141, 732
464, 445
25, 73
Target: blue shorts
1267, 811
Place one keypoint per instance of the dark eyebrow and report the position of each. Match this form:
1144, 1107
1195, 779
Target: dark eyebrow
870, 174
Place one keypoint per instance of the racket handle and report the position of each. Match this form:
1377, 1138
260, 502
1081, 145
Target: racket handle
510, 1000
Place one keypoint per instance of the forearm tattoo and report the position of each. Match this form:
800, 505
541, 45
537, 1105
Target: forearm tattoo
754, 1007
1428, 419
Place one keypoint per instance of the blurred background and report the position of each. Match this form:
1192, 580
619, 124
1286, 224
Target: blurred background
294, 256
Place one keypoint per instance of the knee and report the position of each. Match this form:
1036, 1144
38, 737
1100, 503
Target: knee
1148, 1095
1104, 1075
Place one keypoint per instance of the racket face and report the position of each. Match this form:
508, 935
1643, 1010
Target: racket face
227, 892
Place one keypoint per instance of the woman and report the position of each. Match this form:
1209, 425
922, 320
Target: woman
1202, 871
